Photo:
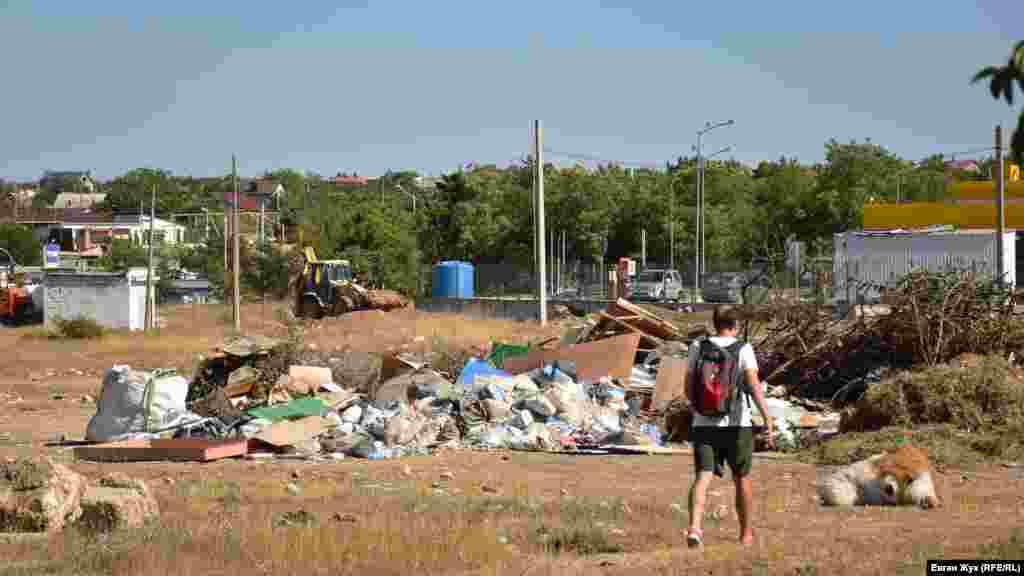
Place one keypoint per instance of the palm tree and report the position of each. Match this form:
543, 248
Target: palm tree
1001, 80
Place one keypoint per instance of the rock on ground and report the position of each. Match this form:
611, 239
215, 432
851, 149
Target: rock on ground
117, 502
38, 495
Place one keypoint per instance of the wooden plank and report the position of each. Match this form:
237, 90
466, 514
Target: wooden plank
609, 357
651, 449
622, 322
170, 449
291, 432
651, 322
669, 384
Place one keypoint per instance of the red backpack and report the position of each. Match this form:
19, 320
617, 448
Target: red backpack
717, 381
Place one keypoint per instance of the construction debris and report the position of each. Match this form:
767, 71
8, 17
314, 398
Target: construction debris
163, 449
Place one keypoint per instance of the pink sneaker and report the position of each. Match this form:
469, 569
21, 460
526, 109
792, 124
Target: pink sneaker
694, 537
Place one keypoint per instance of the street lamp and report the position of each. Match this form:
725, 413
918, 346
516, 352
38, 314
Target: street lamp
702, 227
899, 180
416, 229
698, 259
409, 194
10, 259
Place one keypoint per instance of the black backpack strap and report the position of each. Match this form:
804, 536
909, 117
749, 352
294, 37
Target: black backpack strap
735, 349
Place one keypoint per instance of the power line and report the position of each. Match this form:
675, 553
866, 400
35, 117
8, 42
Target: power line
591, 158
952, 155
654, 165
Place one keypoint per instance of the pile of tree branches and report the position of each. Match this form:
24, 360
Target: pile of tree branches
931, 319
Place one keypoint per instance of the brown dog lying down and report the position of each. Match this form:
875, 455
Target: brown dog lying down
897, 478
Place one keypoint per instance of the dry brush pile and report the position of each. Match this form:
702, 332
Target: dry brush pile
932, 318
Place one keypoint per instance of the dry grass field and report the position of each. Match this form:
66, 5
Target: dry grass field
464, 512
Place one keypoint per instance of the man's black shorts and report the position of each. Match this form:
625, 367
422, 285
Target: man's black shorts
714, 446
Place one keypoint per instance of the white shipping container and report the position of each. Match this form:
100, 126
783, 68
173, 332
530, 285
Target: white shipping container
113, 300
864, 260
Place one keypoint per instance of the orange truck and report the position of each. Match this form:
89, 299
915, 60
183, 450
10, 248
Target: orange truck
15, 298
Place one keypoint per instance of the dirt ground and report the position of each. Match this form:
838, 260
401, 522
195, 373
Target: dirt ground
466, 512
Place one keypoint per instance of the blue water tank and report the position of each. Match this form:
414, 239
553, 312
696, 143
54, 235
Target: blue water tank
453, 279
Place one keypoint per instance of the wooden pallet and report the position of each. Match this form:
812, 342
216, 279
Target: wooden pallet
171, 450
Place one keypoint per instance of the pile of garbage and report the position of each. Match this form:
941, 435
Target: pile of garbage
288, 400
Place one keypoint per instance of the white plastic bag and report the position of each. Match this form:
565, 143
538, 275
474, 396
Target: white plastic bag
353, 414
540, 406
375, 421
521, 419
568, 402
135, 403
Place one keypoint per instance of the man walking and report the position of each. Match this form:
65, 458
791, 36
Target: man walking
721, 380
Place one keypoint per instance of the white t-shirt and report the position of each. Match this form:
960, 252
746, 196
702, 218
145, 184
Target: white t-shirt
741, 410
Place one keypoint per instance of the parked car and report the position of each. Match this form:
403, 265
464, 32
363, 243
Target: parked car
724, 287
657, 285
728, 287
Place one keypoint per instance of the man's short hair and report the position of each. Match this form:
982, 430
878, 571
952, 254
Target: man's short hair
725, 317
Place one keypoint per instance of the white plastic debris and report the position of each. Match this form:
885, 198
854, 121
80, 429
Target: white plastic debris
135, 402
353, 414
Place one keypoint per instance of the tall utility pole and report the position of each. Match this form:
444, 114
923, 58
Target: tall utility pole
261, 222
699, 258
1000, 207
554, 261
643, 248
303, 217
149, 266
236, 308
672, 229
564, 267
542, 292
697, 235
700, 214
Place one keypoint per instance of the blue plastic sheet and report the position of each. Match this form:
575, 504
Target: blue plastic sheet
476, 367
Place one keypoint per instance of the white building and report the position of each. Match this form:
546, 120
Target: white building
114, 300
865, 261
76, 200
81, 232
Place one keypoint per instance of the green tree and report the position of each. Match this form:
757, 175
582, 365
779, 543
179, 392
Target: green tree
122, 255
777, 211
1000, 85
18, 240
267, 273
379, 239
207, 260
852, 174
135, 188
294, 183
52, 184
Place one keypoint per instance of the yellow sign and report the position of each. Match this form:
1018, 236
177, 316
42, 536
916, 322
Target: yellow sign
1013, 174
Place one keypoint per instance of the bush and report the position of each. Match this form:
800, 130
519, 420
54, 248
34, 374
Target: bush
122, 255
266, 271
581, 539
78, 328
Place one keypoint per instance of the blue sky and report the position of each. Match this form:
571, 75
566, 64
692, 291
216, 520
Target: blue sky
374, 85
